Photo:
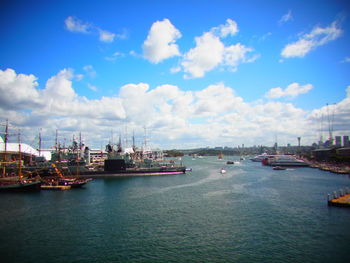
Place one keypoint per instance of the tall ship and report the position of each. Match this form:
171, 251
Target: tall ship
12, 177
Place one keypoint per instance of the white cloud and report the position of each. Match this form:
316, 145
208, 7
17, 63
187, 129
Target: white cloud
73, 24
18, 91
235, 55
58, 98
317, 37
79, 77
340, 113
230, 28
89, 69
175, 69
293, 90
215, 99
115, 56
92, 87
106, 36
207, 54
286, 17
160, 42
210, 52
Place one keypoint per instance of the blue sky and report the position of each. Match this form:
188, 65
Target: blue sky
194, 73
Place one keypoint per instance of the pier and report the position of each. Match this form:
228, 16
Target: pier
341, 199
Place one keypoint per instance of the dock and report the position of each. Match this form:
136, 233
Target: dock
55, 187
342, 199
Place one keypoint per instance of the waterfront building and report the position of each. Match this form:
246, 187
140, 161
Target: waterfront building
346, 142
29, 154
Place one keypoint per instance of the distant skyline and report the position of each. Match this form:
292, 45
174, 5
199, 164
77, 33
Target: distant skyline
191, 73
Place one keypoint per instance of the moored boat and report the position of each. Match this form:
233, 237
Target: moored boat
20, 185
284, 160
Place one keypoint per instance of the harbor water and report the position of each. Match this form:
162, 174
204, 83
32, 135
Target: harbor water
251, 213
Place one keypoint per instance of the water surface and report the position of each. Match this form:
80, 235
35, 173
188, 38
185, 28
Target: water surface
250, 214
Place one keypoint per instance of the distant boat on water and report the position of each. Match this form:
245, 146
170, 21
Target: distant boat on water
220, 156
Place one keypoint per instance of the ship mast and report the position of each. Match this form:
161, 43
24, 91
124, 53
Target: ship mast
5, 148
20, 157
320, 142
330, 125
6, 138
40, 142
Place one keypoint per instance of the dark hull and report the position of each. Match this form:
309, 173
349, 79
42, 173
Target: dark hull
20, 187
135, 172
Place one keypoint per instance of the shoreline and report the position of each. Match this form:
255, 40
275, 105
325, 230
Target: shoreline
330, 167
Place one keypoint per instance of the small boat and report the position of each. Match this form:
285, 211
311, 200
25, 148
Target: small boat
278, 168
220, 156
62, 183
76, 182
223, 171
230, 162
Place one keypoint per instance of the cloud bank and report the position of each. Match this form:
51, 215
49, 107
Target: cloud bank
212, 116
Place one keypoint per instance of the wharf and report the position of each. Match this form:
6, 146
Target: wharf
129, 173
343, 199
55, 187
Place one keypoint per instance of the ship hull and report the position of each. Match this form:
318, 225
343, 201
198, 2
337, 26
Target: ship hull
20, 187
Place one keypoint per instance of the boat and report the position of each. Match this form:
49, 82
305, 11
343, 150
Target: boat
55, 185
76, 182
60, 182
230, 162
18, 181
134, 162
20, 185
259, 158
220, 156
284, 160
223, 171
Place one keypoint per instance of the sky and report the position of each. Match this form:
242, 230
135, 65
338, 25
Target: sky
183, 74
